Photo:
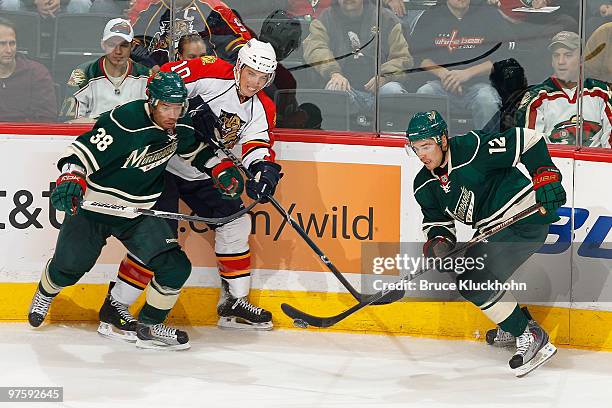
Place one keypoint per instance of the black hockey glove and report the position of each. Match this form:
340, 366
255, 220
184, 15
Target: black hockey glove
266, 175
204, 120
547, 185
438, 247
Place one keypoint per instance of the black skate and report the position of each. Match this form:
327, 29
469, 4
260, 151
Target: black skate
161, 337
116, 322
500, 338
240, 314
39, 308
533, 349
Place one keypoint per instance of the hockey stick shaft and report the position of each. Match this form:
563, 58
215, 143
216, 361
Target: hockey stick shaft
121, 209
332, 320
332, 268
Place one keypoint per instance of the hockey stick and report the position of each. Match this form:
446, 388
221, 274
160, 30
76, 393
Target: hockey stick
303, 320
390, 297
121, 209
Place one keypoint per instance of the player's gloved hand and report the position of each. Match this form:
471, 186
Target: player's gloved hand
204, 119
438, 247
547, 185
69, 189
228, 179
266, 175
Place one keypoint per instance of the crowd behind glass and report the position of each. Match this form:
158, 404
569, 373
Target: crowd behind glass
345, 65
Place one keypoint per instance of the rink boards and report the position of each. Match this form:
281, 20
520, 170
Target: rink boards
345, 192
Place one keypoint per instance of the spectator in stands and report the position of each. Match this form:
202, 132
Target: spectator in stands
112, 80
307, 9
27, 93
454, 32
47, 8
598, 54
599, 12
222, 31
191, 46
551, 107
342, 48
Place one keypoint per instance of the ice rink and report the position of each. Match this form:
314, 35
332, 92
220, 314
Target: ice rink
292, 368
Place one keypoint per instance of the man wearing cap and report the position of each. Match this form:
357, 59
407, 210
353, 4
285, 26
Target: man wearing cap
112, 80
551, 107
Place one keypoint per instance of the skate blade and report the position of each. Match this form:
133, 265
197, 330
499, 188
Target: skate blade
502, 344
158, 345
540, 358
233, 323
111, 332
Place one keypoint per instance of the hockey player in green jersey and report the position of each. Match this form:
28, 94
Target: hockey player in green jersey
122, 161
473, 179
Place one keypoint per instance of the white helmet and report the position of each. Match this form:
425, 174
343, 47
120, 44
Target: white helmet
258, 55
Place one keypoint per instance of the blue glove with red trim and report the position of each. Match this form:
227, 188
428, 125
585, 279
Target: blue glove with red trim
547, 185
68, 192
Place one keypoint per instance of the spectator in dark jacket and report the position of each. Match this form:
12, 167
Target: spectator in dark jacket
27, 93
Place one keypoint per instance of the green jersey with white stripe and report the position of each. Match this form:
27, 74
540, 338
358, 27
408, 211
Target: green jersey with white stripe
125, 156
481, 185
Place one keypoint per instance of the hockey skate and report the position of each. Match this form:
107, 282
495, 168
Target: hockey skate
161, 337
242, 315
533, 349
500, 338
39, 308
116, 322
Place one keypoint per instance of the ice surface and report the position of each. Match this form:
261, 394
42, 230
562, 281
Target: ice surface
291, 368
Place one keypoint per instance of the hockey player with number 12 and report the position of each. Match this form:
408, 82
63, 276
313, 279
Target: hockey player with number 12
122, 161
474, 179
229, 101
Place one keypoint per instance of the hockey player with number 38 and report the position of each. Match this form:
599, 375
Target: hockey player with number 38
122, 161
229, 101
474, 179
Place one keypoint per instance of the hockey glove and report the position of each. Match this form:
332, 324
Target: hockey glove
438, 247
266, 175
228, 180
204, 119
69, 189
547, 185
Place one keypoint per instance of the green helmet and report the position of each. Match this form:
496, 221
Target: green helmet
427, 125
166, 87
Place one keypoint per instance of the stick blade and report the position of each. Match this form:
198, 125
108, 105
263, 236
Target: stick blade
389, 298
296, 314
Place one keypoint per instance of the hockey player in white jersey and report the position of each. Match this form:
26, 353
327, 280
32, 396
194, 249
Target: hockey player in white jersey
232, 96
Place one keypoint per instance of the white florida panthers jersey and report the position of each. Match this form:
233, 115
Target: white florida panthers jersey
246, 125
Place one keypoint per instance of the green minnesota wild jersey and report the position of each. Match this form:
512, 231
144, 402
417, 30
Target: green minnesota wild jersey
482, 185
125, 156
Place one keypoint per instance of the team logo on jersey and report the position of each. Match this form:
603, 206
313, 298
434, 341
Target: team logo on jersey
444, 183
566, 132
208, 59
454, 41
464, 211
145, 161
77, 77
231, 125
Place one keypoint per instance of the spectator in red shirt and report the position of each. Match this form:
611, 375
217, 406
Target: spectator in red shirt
26, 88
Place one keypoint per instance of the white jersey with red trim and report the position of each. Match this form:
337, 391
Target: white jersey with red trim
245, 124
552, 109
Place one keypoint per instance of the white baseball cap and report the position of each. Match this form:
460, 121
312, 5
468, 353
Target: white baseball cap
118, 27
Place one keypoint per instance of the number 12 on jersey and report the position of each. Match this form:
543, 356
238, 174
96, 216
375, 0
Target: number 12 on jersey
497, 145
